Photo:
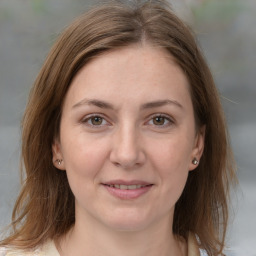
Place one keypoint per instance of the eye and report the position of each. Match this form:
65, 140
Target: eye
160, 120
94, 120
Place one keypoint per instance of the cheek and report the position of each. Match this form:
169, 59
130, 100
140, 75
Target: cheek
173, 153
83, 155
83, 159
171, 158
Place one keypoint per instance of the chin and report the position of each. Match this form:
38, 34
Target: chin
128, 226
128, 222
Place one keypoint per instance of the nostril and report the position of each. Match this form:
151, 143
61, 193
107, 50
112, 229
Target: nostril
127, 166
116, 164
127, 152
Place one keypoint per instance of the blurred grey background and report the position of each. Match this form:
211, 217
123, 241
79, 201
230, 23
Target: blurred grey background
226, 30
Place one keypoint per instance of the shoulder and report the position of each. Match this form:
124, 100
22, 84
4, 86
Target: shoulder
193, 246
47, 249
203, 252
2, 251
8, 251
195, 250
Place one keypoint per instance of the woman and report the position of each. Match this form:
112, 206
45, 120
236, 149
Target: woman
124, 142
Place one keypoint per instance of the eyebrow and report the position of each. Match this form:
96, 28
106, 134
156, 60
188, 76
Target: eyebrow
105, 105
94, 102
160, 103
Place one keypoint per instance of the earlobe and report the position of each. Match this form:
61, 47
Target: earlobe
57, 157
195, 161
198, 148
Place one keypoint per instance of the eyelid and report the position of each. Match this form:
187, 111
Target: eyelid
86, 118
166, 116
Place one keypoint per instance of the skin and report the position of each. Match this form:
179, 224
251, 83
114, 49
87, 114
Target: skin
129, 140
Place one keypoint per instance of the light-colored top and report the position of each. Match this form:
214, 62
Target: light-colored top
49, 249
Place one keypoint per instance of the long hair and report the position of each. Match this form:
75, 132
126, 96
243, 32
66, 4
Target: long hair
45, 208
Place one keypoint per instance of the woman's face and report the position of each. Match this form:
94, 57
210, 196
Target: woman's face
128, 138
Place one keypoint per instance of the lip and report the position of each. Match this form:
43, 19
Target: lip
127, 194
127, 183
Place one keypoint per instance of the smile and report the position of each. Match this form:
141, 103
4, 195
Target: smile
127, 190
126, 187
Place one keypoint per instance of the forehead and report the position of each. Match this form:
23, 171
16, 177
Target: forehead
131, 72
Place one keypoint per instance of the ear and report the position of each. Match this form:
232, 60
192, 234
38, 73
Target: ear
198, 148
57, 157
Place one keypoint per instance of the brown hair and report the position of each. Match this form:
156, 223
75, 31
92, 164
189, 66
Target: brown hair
45, 207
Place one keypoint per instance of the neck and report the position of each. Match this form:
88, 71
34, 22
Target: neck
93, 238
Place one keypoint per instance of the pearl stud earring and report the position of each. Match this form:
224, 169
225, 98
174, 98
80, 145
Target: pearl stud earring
195, 161
59, 161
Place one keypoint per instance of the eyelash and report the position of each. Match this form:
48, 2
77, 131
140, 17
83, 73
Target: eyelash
150, 118
90, 117
166, 118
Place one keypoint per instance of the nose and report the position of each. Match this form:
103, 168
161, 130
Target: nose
127, 149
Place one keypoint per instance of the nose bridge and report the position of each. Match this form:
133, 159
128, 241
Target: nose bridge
127, 149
